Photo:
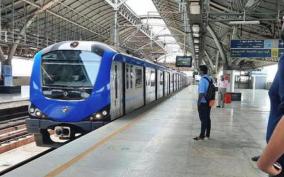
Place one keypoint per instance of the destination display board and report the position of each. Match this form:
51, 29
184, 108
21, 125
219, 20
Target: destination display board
251, 53
184, 61
241, 44
258, 49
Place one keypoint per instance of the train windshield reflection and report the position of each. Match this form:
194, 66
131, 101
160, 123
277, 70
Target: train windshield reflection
70, 68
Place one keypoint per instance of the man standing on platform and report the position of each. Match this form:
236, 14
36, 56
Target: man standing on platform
203, 104
222, 87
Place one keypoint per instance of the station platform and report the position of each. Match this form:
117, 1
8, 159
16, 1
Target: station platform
156, 141
15, 99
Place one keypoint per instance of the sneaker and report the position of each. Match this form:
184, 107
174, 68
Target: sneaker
255, 158
198, 138
207, 138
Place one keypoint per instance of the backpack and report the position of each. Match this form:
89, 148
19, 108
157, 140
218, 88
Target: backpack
211, 91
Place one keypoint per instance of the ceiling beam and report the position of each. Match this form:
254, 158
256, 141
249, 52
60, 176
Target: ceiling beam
218, 44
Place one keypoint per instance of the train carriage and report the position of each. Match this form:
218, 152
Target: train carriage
77, 87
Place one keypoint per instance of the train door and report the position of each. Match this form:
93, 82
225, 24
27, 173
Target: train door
134, 93
176, 78
170, 85
160, 83
179, 81
176, 83
172, 82
150, 85
165, 83
116, 90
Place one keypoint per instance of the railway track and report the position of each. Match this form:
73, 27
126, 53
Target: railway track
13, 131
13, 114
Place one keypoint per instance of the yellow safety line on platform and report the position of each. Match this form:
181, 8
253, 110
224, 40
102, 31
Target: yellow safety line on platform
71, 162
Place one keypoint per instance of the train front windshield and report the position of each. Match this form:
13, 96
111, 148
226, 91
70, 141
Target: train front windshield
72, 69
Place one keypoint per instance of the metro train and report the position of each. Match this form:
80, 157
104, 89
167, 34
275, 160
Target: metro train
79, 86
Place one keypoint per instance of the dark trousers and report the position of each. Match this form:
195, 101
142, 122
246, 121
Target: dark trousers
204, 114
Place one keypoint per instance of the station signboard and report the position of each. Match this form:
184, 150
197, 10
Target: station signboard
184, 61
257, 49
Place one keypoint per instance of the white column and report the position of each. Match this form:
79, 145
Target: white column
230, 75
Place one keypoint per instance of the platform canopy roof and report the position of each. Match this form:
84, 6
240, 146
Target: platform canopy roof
202, 28
29, 25
215, 19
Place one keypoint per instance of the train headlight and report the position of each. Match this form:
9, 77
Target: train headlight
38, 113
104, 113
32, 110
92, 118
98, 116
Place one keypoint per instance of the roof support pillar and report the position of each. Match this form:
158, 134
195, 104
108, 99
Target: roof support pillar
116, 5
217, 61
2, 57
219, 46
211, 65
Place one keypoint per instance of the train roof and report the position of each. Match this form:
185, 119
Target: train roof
88, 45
77, 45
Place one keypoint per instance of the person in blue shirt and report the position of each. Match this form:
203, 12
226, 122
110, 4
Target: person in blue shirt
274, 150
275, 128
203, 106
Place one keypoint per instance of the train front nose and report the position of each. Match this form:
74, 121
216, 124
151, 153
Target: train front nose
66, 113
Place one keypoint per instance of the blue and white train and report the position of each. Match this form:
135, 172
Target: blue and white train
77, 87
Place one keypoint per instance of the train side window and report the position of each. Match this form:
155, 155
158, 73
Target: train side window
153, 79
148, 78
131, 76
126, 75
139, 78
161, 78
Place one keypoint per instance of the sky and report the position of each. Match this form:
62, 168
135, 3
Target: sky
144, 7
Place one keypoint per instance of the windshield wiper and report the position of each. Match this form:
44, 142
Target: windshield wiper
48, 76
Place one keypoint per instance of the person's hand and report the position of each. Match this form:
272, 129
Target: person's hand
273, 170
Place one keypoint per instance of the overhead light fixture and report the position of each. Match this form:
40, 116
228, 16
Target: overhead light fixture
194, 8
196, 41
256, 22
196, 34
250, 3
196, 47
195, 28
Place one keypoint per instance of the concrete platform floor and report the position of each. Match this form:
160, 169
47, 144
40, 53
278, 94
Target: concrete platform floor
24, 95
159, 143
20, 154
15, 100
